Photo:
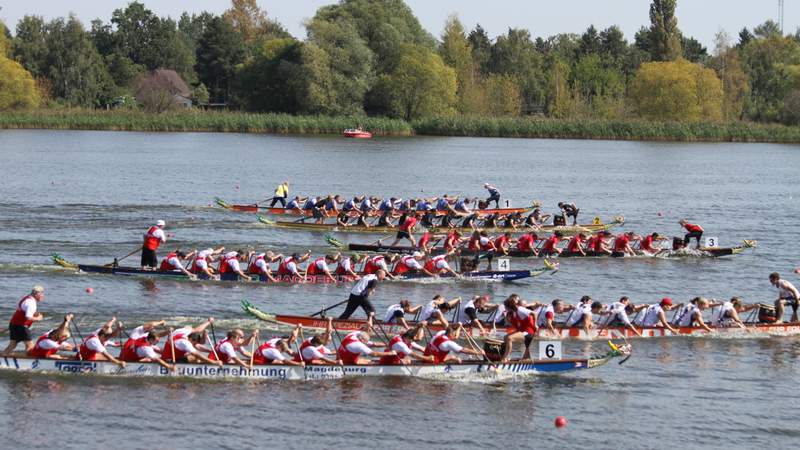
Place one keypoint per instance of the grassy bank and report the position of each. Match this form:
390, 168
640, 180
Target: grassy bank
77, 119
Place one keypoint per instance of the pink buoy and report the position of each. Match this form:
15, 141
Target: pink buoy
561, 422
89, 290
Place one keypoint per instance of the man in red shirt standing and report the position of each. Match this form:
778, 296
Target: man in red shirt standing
406, 229
154, 237
26, 314
694, 231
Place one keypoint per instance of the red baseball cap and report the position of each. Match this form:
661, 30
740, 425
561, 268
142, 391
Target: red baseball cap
666, 301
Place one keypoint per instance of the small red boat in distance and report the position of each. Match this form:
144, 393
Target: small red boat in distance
357, 133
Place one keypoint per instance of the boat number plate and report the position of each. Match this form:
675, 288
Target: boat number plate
503, 265
712, 242
550, 350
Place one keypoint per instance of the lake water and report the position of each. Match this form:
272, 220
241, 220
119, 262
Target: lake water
89, 196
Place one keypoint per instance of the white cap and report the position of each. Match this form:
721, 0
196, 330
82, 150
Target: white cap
38, 289
161, 223
417, 255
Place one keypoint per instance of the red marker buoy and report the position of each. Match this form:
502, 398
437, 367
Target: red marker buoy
561, 422
89, 290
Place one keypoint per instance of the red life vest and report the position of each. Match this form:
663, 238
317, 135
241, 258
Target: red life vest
408, 224
340, 268
313, 269
252, 268
299, 356
575, 244
346, 355
224, 267
647, 243
526, 242
128, 352
165, 265
283, 267
39, 352
430, 266
166, 352
393, 359
596, 243
501, 242
151, 242
195, 268
487, 246
433, 348
372, 264
526, 325
222, 356
550, 244
423, 241
258, 357
450, 242
693, 228
19, 315
621, 242
402, 266
88, 354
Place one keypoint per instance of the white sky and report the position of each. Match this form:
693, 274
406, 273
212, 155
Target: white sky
698, 18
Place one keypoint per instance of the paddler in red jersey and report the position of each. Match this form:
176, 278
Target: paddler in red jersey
575, 245
522, 323
347, 265
174, 261
49, 344
355, 347
404, 345
486, 249
187, 345
259, 265
410, 264
228, 350
693, 231
406, 229
288, 270
444, 343
22, 319
453, 241
438, 265
320, 266
649, 243
314, 351
503, 243
230, 268
424, 244
597, 244
527, 243
94, 348
550, 246
141, 345
277, 350
622, 243
380, 262
154, 237
201, 266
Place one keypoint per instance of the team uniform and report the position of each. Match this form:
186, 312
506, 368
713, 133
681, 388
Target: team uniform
22, 319
170, 262
229, 267
441, 346
650, 316
259, 267
46, 347
402, 347
394, 313
406, 264
352, 348
268, 352
137, 348
288, 267
359, 296
152, 240
685, 315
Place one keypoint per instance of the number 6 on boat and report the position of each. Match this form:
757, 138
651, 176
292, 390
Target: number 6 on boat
550, 350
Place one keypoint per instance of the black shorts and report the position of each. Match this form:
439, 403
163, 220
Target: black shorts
19, 333
403, 235
149, 258
528, 340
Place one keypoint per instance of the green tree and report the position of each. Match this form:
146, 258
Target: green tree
727, 64
590, 42
768, 62
481, 47
515, 54
502, 95
768, 30
252, 23
677, 91
693, 50
421, 85
194, 26
613, 46
30, 48
665, 37
17, 88
220, 49
591, 79
75, 69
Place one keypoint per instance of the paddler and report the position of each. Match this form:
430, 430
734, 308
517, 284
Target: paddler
154, 237
655, 315
356, 346
453, 241
410, 264
527, 244
444, 342
433, 311
230, 268
380, 262
691, 314
189, 344
141, 345
359, 295
347, 265
649, 243
275, 350
93, 347
22, 319
314, 351
320, 266
467, 313
404, 345
174, 261
693, 231
295, 207
597, 244
397, 313
535, 219
546, 316
424, 244
406, 229
550, 246
580, 315
569, 210
259, 265
616, 315
281, 193
288, 270
201, 264
228, 350
487, 249
622, 243
787, 295
503, 243
522, 327
728, 313
438, 265
49, 344
494, 195
575, 245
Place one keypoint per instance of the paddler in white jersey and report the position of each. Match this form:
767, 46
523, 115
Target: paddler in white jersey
546, 314
655, 315
691, 314
227, 350
787, 294
356, 347
396, 313
277, 350
433, 311
467, 313
616, 315
202, 262
187, 345
581, 315
347, 265
174, 261
728, 313
314, 351
259, 265
230, 268
404, 345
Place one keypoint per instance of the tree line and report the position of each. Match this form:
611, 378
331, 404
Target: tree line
373, 57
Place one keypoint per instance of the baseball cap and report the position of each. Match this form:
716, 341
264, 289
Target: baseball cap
417, 255
161, 223
666, 301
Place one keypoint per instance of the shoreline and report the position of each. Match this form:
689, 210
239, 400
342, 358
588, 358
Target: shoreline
281, 124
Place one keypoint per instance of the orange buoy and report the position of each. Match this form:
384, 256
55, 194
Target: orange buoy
561, 422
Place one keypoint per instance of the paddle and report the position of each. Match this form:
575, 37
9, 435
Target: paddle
117, 260
214, 335
78, 332
253, 350
337, 346
322, 311
378, 242
172, 344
